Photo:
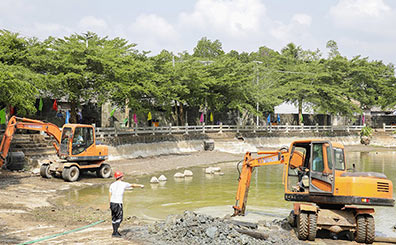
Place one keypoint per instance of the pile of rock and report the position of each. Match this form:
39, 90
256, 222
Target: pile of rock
155, 180
186, 173
192, 228
213, 170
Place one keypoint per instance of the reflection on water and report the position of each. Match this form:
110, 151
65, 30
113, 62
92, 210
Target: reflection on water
217, 193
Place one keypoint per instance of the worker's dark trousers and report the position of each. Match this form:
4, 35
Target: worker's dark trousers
116, 216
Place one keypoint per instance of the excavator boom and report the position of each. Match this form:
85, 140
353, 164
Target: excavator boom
269, 158
24, 123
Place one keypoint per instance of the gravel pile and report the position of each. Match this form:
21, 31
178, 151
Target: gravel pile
192, 228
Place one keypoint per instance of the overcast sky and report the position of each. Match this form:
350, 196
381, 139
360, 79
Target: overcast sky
365, 27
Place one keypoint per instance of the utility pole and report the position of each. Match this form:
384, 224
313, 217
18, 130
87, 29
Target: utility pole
257, 82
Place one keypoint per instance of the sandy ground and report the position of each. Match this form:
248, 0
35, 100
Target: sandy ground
28, 209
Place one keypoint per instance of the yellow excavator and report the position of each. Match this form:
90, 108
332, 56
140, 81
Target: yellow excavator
315, 177
75, 145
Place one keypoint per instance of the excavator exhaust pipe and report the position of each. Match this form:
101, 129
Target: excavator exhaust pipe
15, 160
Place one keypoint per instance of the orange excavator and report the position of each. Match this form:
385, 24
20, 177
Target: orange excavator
75, 146
315, 175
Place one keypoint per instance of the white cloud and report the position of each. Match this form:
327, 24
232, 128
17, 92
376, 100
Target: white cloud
363, 15
91, 23
350, 9
232, 17
297, 30
153, 32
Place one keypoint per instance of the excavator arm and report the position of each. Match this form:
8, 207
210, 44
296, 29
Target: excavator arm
29, 124
249, 163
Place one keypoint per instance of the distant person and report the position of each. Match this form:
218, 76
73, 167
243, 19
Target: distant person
116, 192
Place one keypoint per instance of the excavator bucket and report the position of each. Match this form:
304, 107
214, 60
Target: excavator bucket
15, 160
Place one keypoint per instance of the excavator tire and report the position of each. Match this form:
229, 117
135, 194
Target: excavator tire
360, 234
71, 174
312, 226
370, 229
45, 171
302, 226
104, 171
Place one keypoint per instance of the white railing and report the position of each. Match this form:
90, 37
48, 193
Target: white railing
187, 129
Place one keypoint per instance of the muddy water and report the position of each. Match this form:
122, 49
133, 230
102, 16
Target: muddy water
215, 194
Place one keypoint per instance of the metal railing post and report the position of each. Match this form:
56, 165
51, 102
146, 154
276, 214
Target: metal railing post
153, 129
170, 128
186, 129
317, 128
136, 129
302, 127
203, 127
384, 126
347, 129
221, 128
332, 128
237, 127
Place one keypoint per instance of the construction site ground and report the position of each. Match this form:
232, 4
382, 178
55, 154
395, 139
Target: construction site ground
29, 209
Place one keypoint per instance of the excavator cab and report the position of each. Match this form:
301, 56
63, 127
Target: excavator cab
78, 144
311, 168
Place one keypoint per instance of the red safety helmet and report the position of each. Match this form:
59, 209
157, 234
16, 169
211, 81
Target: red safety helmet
118, 174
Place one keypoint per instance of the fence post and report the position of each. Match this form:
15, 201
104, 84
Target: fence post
186, 129
136, 129
254, 128
270, 126
170, 128
332, 129
317, 128
384, 126
347, 128
153, 129
237, 127
221, 128
302, 127
203, 127
287, 127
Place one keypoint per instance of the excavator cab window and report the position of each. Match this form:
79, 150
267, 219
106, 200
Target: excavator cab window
66, 135
82, 139
297, 179
317, 163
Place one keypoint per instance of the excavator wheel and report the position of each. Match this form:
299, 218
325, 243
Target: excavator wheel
71, 174
313, 218
104, 171
360, 234
302, 226
370, 229
45, 171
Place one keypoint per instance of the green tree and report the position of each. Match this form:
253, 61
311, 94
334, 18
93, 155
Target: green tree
18, 86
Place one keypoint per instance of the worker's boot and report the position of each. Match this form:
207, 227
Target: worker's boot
115, 230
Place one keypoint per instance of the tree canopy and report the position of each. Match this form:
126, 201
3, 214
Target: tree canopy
86, 67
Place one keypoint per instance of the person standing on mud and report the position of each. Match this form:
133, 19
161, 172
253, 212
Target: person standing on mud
116, 193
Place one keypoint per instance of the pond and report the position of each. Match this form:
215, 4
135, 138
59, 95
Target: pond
215, 194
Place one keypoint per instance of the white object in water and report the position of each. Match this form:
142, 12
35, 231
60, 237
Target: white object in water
188, 173
154, 180
162, 178
178, 175
209, 170
216, 169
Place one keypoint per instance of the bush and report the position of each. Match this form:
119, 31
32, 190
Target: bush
366, 131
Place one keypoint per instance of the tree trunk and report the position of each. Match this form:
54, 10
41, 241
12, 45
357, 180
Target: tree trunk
181, 113
175, 113
300, 101
73, 113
